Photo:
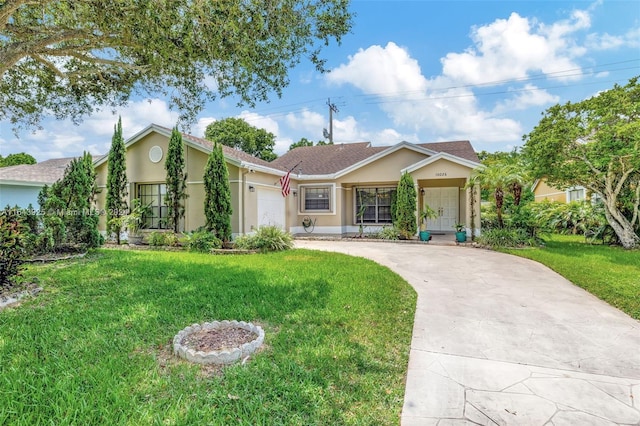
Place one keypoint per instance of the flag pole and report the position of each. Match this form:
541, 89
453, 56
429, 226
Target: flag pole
290, 170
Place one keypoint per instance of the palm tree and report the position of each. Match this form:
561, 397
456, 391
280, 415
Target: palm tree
496, 177
519, 176
501, 176
472, 183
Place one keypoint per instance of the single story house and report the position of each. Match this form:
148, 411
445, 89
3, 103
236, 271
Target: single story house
21, 184
543, 191
330, 184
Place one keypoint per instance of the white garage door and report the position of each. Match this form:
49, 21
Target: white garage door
271, 208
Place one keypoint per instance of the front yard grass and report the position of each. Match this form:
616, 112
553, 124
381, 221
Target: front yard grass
610, 273
95, 346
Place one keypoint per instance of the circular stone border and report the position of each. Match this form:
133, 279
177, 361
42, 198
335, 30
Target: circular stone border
217, 357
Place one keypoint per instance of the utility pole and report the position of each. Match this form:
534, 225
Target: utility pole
332, 108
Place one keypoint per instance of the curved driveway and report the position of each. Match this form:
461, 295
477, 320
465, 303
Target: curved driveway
501, 340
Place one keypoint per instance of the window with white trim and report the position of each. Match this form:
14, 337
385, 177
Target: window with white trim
373, 205
316, 198
576, 194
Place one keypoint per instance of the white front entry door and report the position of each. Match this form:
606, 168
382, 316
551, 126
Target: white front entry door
445, 202
271, 208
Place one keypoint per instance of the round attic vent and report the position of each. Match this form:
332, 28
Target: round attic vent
155, 154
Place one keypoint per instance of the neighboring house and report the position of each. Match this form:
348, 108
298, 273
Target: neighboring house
328, 183
21, 184
543, 191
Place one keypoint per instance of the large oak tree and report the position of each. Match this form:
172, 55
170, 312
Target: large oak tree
595, 143
65, 57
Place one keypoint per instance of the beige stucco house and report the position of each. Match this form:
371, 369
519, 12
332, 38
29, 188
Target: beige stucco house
543, 191
328, 183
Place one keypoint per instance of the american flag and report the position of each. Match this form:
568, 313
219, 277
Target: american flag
284, 182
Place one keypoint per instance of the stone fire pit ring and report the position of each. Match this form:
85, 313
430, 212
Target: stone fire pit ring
227, 355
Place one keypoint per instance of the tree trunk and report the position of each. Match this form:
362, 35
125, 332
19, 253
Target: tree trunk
499, 197
621, 226
517, 193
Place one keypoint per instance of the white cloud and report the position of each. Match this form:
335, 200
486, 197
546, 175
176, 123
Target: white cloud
200, 127
513, 48
388, 70
607, 41
435, 106
526, 97
270, 125
308, 121
135, 116
451, 106
349, 130
64, 139
260, 121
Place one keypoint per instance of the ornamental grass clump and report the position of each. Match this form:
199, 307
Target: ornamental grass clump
266, 238
507, 237
202, 241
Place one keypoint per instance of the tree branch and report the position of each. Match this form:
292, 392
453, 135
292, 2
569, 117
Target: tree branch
49, 65
13, 52
9, 7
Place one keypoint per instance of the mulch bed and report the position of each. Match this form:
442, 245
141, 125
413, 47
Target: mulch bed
218, 339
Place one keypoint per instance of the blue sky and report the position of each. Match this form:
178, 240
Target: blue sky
420, 71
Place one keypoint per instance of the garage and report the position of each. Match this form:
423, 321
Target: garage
271, 207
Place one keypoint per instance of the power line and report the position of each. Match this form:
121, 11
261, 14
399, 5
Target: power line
396, 97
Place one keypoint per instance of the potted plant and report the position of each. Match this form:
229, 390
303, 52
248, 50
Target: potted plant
134, 221
426, 214
461, 233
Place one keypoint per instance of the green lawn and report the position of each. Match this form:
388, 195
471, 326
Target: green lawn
610, 273
95, 346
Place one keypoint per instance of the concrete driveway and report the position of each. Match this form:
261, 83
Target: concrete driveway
501, 340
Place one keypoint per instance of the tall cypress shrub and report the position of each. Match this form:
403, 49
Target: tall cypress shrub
68, 205
117, 191
405, 207
176, 180
217, 201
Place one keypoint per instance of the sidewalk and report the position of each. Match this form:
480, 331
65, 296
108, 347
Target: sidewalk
501, 340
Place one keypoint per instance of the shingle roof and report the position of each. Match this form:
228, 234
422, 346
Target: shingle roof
46, 172
227, 151
462, 149
328, 159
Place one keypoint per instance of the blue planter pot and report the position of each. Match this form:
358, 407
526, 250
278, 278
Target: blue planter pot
461, 237
425, 235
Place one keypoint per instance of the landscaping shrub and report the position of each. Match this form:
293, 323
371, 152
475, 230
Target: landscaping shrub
527, 218
577, 218
266, 238
68, 207
507, 237
158, 239
12, 248
488, 217
202, 241
388, 233
405, 207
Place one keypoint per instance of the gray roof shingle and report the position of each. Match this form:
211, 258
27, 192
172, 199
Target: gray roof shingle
328, 159
462, 149
45, 172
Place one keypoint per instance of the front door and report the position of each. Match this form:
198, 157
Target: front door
445, 202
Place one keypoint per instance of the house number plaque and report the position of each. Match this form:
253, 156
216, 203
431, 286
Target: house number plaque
441, 174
